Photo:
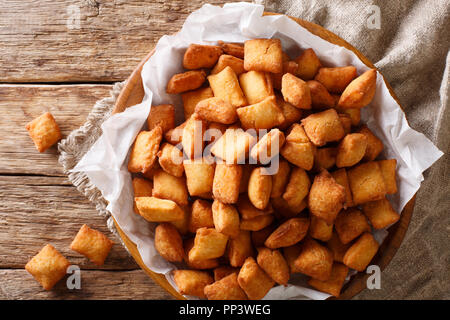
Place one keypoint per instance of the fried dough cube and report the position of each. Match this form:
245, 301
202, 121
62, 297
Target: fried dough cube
158, 210
337, 247
388, 171
256, 86
248, 210
224, 271
335, 283
234, 49
253, 280
291, 114
142, 188
280, 179
340, 176
226, 218
246, 171
166, 186
325, 158
353, 113
380, 213
256, 223
193, 134
175, 136
315, 260
297, 149
192, 282
288, 233
262, 115
240, 248
226, 60
336, 79
226, 182
197, 264
346, 122
182, 82
144, 150
288, 67
259, 188
320, 229
201, 215
326, 197
191, 98
263, 55
182, 225
360, 92
150, 173
296, 91
48, 266
320, 97
291, 254
283, 210
199, 56
374, 144
308, 64
366, 182
359, 255
351, 150
268, 146
162, 115
199, 176
225, 85
225, 289
274, 264
168, 242
208, 244
350, 224
323, 127
260, 236
92, 244
171, 160
44, 131
216, 110
233, 146
297, 188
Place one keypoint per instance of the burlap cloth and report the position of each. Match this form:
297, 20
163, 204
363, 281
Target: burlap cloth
411, 50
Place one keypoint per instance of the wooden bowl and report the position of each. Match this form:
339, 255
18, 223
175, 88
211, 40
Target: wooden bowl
133, 93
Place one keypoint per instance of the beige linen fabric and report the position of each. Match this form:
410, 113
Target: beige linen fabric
411, 51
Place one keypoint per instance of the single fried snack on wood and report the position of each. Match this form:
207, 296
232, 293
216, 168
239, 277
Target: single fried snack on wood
48, 266
92, 244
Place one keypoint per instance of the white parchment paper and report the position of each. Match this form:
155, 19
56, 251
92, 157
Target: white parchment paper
106, 162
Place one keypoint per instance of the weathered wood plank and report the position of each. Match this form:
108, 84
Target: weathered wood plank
19, 104
40, 40
18, 284
35, 211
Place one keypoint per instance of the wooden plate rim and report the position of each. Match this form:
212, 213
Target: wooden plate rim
133, 91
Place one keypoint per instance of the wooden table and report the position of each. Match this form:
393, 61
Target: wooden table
47, 64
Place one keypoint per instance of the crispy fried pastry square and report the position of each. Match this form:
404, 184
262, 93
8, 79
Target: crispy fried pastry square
380, 213
93, 244
144, 150
168, 242
225, 85
192, 282
323, 127
162, 115
366, 182
253, 280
